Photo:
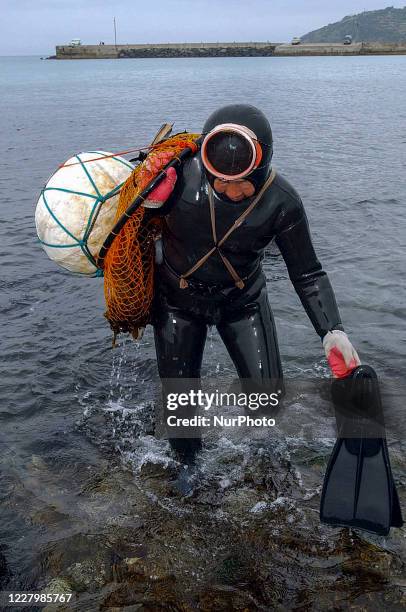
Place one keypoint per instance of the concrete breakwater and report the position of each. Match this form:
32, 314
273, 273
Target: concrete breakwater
315, 49
248, 49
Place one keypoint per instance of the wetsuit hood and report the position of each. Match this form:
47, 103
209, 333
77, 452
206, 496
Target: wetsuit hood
254, 119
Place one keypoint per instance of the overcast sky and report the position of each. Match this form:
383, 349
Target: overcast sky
36, 26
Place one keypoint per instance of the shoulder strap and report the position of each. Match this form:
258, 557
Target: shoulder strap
217, 244
248, 210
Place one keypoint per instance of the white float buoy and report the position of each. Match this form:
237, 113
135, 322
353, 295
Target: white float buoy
77, 207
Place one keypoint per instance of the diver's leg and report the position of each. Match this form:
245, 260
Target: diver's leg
179, 342
249, 334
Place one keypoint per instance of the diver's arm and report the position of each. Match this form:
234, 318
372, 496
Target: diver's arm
313, 286
305, 271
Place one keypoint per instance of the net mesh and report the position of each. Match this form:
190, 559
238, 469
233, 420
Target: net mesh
129, 262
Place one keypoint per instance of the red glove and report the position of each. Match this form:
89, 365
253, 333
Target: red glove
160, 194
341, 355
154, 163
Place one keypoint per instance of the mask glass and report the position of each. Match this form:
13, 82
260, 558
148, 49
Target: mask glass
231, 152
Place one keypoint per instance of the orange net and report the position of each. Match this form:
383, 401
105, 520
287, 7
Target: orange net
129, 262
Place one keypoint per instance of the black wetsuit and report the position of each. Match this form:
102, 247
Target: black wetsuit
243, 317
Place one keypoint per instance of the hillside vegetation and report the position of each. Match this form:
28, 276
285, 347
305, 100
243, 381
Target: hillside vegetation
386, 25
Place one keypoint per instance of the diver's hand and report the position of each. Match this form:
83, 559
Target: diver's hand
341, 355
160, 194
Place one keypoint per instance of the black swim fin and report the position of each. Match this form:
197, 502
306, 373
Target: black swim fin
358, 489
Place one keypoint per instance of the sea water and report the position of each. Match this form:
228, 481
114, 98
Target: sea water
76, 416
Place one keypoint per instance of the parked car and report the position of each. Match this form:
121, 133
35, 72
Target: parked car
75, 42
296, 40
347, 40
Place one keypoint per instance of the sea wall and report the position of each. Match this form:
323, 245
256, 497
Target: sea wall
248, 49
315, 49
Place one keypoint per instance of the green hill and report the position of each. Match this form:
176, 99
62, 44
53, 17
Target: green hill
386, 25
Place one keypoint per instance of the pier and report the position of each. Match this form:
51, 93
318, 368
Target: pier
248, 49
234, 49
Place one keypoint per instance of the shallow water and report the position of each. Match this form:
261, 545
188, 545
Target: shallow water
85, 489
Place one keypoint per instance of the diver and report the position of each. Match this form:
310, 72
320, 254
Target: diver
225, 206
220, 213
